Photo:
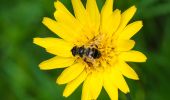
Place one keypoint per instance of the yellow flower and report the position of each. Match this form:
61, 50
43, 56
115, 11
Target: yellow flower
105, 41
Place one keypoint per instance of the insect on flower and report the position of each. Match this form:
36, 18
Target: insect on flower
83, 52
94, 48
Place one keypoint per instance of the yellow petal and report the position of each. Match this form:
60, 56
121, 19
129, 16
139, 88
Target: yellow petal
112, 91
109, 86
60, 29
131, 30
96, 84
92, 9
70, 73
133, 56
83, 17
124, 45
119, 80
86, 95
55, 46
107, 10
106, 14
72, 24
80, 12
92, 86
115, 21
72, 86
126, 17
59, 6
112, 22
56, 62
126, 70
64, 16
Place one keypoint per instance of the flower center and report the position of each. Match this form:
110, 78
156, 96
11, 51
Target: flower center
102, 44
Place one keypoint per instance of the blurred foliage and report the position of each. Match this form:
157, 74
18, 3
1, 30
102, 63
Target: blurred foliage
21, 79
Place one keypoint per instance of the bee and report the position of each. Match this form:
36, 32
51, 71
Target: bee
89, 52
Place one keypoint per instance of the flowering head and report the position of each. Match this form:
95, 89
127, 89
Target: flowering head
94, 48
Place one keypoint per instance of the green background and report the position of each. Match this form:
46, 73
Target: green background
21, 79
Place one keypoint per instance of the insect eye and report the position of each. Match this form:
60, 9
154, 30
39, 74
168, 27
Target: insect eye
96, 54
74, 51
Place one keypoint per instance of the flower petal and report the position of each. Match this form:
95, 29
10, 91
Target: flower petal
126, 70
119, 80
131, 30
60, 29
64, 16
112, 23
55, 46
107, 10
96, 84
83, 17
70, 73
59, 6
109, 86
93, 11
115, 21
126, 17
56, 62
92, 86
80, 12
133, 56
71, 86
86, 95
106, 13
124, 45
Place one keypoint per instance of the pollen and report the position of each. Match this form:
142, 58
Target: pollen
105, 46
